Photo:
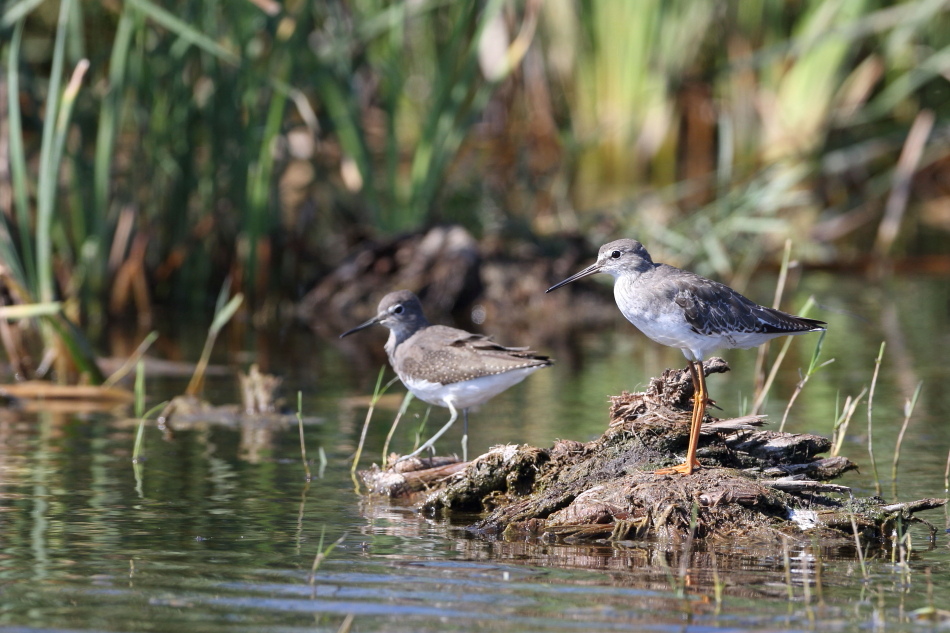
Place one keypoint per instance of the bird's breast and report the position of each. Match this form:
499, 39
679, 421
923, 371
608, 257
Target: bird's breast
656, 315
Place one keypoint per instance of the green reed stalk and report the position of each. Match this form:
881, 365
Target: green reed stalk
321, 462
185, 31
688, 550
23, 270
759, 371
30, 310
819, 567
788, 569
813, 368
322, 554
46, 193
347, 625
137, 469
76, 345
109, 118
389, 436
843, 420
779, 358
303, 445
718, 584
261, 171
222, 315
378, 392
448, 117
877, 367
806, 588
130, 362
909, 406
857, 543
422, 428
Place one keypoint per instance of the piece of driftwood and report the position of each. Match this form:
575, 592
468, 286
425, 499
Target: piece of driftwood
754, 483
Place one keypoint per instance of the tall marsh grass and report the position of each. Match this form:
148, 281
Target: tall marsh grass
155, 149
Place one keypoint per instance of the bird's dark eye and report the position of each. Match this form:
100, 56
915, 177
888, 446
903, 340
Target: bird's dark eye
616, 254
397, 309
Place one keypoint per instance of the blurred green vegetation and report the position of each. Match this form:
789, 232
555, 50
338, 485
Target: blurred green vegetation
150, 149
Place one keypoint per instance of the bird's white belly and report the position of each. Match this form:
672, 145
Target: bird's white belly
665, 326
467, 393
671, 329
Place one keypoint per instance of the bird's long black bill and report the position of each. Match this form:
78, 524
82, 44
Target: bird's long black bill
361, 326
590, 270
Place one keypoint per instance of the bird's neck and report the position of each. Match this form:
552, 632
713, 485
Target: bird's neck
632, 276
397, 336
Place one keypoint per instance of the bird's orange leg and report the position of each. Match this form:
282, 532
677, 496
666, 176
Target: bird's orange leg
700, 398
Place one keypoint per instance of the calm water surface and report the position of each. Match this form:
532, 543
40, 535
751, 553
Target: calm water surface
220, 531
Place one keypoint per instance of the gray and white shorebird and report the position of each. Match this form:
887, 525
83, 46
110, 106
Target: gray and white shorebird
684, 310
446, 366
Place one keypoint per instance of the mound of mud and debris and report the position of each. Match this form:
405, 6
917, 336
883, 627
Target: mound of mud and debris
754, 483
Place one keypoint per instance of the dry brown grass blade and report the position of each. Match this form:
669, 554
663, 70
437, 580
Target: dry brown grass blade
42, 390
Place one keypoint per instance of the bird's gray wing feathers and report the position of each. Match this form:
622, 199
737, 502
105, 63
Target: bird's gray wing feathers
713, 308
456, 355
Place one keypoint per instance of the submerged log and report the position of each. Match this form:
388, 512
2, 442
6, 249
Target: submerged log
753, 483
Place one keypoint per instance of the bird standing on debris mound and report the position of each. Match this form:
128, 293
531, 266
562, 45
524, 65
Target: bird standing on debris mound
684, 310
446, 366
